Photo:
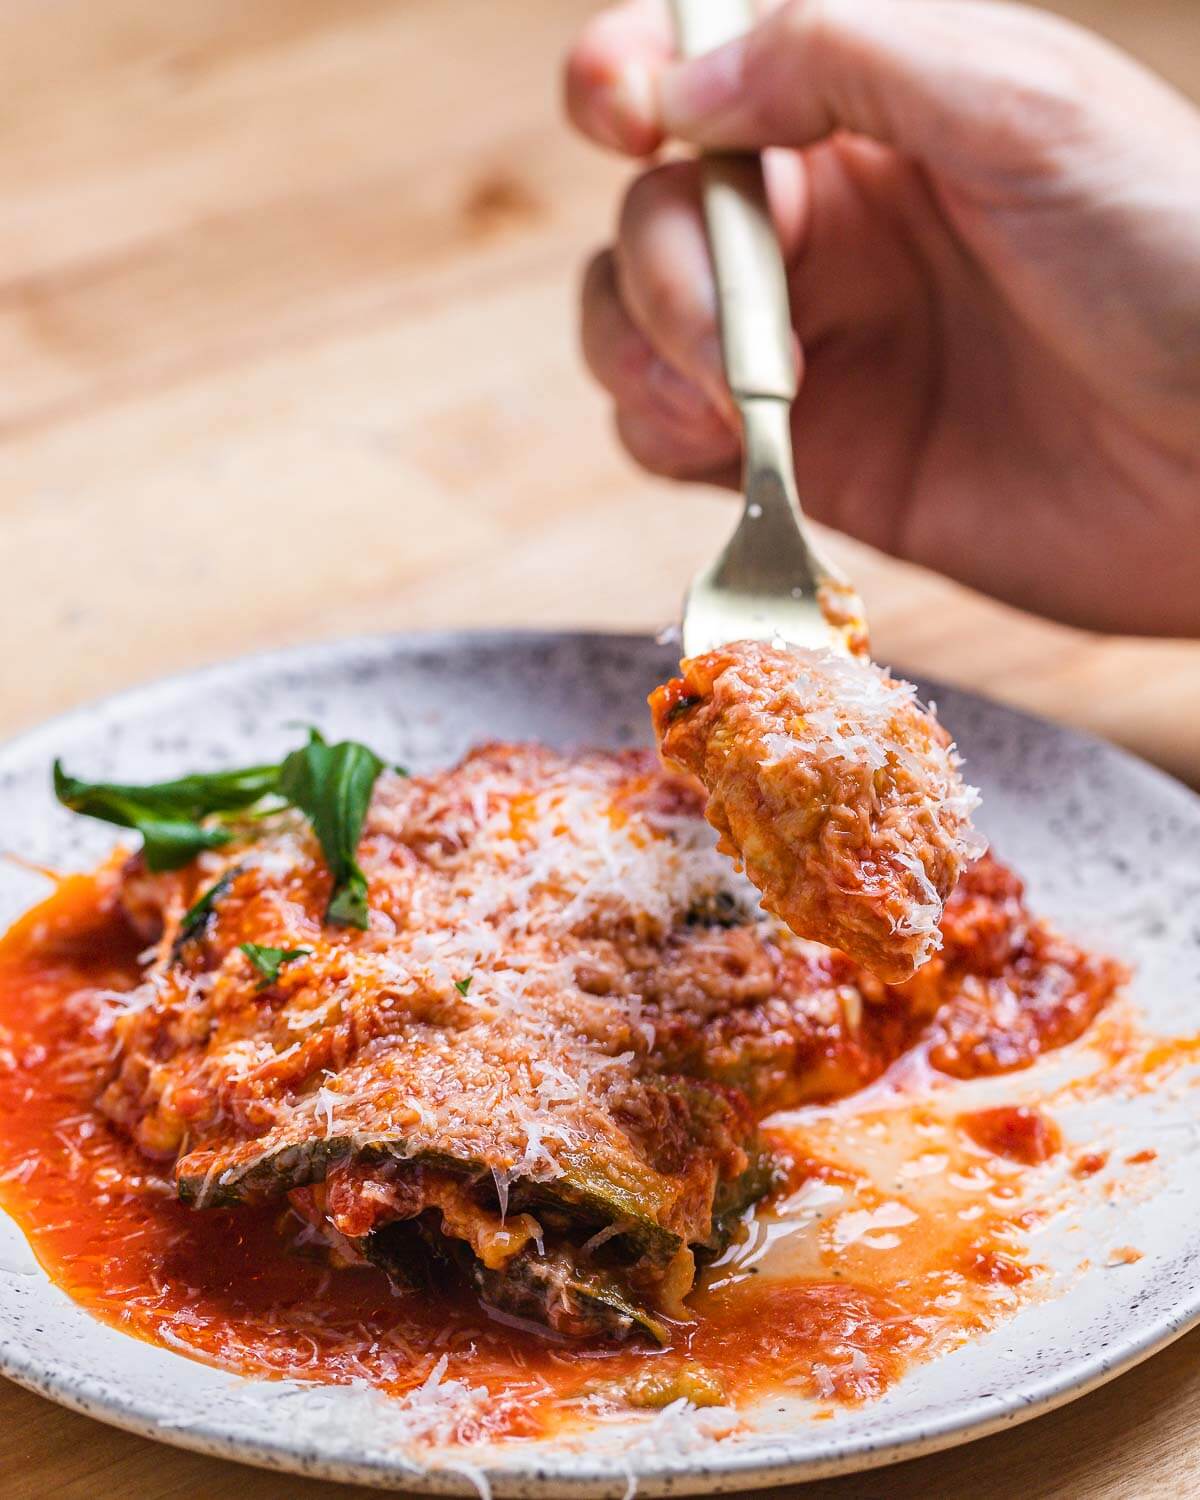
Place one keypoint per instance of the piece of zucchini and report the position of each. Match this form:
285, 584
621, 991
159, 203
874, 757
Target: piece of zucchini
597, 1192
525, 1288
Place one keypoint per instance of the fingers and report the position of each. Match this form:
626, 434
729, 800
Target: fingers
612, 76
665, 420
622, 358
664, 268
976, 91
665, 274
613, 70
672, 452
650, 332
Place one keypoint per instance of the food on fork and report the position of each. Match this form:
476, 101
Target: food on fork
833, 787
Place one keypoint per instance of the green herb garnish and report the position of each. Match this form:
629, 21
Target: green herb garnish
167, 814
269, 961
463, 985
195, 919
331, 785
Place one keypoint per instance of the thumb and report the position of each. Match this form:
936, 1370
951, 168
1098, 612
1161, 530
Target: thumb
969, 89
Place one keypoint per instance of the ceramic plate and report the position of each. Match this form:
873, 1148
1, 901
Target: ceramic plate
1111, 852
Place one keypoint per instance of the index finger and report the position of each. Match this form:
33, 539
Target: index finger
612, 71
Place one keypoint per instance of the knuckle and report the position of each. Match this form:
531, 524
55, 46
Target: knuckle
646, 443
808, 33
666, 445
576, 88
628, 361
650, 191
614, 351
599, 277
661, 263
662, 302
815, 23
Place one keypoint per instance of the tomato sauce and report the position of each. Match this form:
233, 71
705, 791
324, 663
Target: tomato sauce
833, 1288
1014, 1130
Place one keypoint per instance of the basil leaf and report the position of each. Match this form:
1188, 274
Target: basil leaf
187, 797
168, 845
331, 785
167, 813
463, 985
269, 961
195, 919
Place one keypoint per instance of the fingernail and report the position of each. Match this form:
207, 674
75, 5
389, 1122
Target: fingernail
692, 94
631, 104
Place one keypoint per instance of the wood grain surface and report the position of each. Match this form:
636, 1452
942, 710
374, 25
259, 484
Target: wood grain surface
287, 339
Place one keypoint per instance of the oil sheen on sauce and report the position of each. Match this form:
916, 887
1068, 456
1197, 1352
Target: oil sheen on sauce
900, 1230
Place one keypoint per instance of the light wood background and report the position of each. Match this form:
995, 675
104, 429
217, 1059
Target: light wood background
287, 351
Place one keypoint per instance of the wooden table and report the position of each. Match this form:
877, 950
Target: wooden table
286, 325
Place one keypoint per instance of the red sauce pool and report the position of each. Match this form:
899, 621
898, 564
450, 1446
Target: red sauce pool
233, 1287
1017, 1131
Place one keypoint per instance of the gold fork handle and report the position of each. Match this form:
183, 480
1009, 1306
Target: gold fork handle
752, 290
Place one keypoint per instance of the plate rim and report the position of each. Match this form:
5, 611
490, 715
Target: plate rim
751, 1469
757, 1467
434, 638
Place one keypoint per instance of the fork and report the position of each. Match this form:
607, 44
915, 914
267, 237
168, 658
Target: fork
771, 581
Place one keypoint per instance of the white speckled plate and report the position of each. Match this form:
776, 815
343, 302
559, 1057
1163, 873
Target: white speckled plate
1110, 849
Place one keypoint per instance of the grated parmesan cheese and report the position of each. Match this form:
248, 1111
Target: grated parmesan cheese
838, 792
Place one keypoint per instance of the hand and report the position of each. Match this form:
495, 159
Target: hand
991, 221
